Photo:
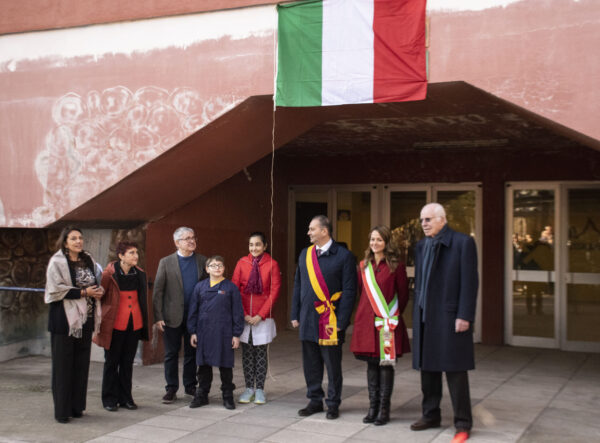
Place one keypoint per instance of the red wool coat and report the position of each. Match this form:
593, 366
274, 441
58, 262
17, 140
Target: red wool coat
110, 306
260, 304
365, 337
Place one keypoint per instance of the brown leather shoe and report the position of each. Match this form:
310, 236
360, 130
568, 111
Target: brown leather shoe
422, 424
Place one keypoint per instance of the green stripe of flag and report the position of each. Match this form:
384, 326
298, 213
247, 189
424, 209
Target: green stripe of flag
300, 38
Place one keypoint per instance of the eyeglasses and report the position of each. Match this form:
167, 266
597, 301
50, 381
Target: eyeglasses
216, 266
427, 219
187, 239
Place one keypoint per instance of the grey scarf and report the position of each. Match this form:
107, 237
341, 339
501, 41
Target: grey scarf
58, 284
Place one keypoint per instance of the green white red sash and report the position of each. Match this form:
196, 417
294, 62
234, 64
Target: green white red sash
327, 319
386, 315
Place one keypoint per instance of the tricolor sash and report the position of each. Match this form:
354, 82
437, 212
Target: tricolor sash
386, 316
327, 319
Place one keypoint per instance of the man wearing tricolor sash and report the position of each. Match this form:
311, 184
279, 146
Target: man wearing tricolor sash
446, 282
379, 336
324, 292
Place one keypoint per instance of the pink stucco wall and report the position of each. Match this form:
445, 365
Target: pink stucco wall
75, 121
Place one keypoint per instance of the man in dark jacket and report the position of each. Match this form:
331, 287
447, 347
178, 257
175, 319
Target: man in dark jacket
446, 282
324, 293
176, 277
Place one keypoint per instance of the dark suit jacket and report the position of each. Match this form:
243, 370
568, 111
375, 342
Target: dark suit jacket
339, 270
167, 294
452, 294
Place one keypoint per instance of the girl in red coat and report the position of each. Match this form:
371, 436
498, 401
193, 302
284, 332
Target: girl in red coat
379, 335
258, 279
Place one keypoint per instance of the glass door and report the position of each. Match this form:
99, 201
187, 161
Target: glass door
531, 309
582, 278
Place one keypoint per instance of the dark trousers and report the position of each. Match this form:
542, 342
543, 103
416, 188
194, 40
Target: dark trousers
458, 385
118, 366
70, 368
314, 359
205, 377
172, 339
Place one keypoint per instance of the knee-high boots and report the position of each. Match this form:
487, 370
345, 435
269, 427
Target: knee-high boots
373, 386
386, 386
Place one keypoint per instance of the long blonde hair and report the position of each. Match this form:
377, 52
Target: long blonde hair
390, 252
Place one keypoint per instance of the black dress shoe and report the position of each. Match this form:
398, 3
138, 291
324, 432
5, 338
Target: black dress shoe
129, 405
111, 408
77, 414
333, 413
422, 424
310, 409
63, 419
228, 403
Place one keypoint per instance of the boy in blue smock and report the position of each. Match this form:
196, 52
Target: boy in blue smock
215, 323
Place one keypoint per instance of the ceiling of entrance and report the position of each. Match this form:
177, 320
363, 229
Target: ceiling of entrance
455, 116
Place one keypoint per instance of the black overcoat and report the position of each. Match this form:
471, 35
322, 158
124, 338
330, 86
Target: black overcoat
452, 294
338, 267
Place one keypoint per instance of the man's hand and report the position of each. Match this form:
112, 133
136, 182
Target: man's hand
461, 325
194, 340
235, 342
295, 324
160, 325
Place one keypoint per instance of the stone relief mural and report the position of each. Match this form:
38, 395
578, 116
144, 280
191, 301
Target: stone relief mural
100, 137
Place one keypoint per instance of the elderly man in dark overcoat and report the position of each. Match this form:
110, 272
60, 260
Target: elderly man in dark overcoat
446, 282
324, 294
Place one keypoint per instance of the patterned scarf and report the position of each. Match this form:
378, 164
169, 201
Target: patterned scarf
254, 285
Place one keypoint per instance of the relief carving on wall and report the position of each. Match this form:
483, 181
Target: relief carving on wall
100, 137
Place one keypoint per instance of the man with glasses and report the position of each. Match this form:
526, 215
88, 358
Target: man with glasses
446, 283
176, 277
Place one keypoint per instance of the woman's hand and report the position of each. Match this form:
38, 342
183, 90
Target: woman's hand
94, 291
194, 340
235, 342
254, 320
247, 318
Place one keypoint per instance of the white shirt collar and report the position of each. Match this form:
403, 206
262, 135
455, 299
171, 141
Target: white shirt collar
326, 246
181, 255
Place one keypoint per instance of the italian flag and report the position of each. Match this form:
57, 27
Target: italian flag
333, 52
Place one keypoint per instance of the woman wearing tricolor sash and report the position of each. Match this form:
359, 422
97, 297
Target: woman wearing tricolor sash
379, 335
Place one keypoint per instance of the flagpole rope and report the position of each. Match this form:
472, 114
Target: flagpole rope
271, 221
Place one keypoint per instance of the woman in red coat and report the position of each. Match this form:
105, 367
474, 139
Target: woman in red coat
379, 335
124, 323
258, 279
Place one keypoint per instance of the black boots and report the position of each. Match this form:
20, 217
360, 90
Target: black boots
200, 399
373, 385
386, 386
228, 400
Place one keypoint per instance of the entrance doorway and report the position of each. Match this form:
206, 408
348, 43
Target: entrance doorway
354, 209
553, 265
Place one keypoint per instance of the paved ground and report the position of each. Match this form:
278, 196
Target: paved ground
519, 394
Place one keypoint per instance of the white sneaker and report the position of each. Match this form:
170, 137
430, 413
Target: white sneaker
259, 397
247, 396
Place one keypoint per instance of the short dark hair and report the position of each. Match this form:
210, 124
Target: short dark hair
218, 258
325, 223
123, 246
